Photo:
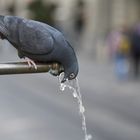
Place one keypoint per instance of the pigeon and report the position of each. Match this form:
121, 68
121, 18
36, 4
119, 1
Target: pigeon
39, 42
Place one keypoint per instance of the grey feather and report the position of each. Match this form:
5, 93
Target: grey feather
33, 37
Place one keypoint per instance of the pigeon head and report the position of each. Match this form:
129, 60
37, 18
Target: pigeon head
70, 64
70, 72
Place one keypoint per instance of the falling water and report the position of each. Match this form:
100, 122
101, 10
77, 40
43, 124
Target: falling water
74, 86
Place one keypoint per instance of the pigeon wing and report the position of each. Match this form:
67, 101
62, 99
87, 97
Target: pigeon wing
34, 38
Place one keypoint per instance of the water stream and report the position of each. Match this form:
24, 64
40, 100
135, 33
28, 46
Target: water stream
74, 86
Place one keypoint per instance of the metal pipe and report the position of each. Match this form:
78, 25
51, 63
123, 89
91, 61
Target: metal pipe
23, 68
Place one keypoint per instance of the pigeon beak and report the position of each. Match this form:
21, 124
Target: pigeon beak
63, 80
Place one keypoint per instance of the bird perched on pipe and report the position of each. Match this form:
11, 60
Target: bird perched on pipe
39, 42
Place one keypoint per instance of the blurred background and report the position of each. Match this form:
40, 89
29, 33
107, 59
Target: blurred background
106, 37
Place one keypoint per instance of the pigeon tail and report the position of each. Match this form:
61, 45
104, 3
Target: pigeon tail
3, 29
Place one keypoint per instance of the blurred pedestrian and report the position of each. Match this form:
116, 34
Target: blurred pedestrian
12, 8
135, 50
43, 12
119, 46
78, 15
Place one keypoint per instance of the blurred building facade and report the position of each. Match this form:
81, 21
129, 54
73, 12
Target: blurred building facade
101, 16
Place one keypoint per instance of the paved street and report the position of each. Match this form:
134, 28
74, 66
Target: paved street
33, 108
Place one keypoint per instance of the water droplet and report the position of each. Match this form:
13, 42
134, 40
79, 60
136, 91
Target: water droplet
74, 94
88, 137
62, 87
82, 109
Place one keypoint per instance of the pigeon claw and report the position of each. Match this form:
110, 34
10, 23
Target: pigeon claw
30, 63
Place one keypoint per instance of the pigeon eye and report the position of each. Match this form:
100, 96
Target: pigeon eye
72, 75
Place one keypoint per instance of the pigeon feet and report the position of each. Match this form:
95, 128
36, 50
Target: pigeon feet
30, 62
